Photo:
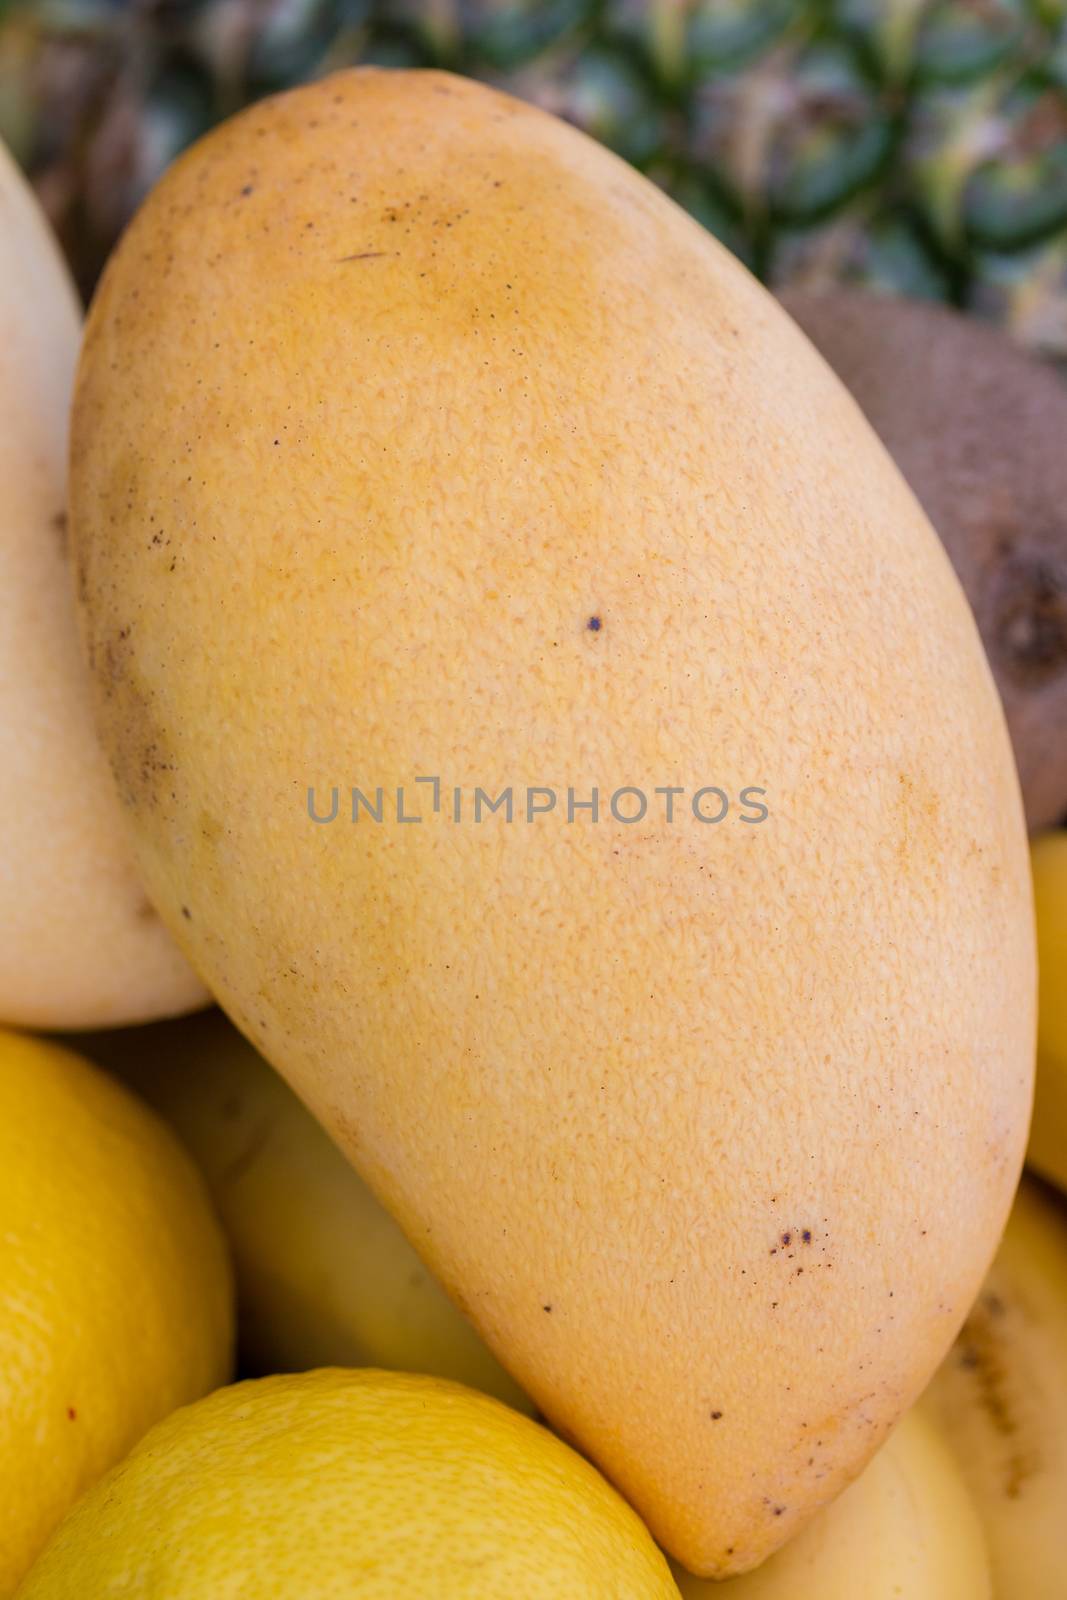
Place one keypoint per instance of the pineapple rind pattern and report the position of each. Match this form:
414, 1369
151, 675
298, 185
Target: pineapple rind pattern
914, 146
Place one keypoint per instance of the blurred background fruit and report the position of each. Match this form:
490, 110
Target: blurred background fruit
115, 1292
906, 1527
369, 1485
1000, 1400
324, 1275
81, 945
913, 145
977, 426
1048, 1134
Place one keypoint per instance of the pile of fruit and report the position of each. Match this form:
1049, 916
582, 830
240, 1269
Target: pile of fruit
454, 620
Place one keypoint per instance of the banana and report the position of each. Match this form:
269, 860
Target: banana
907, 1529
1000, 1399
1048, 1133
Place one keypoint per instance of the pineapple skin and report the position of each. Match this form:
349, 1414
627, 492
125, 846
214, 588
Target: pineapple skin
913, 146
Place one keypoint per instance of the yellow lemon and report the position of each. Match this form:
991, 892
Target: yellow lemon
1048, 1135
362, 1484
115, 1295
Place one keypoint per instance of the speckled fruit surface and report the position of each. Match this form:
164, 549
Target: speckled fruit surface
337, 1485
394, 387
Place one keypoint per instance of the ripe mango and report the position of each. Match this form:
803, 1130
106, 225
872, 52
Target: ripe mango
80, 945
416, 437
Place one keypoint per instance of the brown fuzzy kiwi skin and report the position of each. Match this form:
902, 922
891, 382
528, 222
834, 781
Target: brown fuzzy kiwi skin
979, 429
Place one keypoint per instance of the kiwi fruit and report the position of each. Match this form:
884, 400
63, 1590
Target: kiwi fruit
978, 427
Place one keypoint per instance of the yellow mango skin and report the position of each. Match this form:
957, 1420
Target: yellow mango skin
391, 386
80, 946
